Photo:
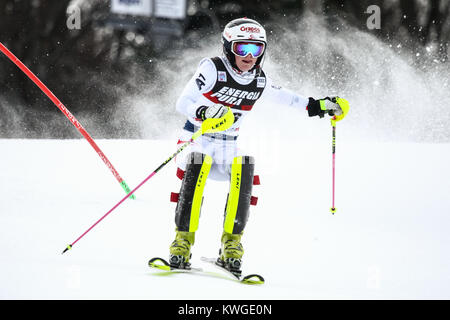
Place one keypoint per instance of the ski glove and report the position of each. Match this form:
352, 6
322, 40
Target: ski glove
214, 111
334, 106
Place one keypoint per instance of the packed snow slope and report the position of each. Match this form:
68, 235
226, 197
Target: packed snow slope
388, 240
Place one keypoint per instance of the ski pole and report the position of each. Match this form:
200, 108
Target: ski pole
333, 151
209, 125
67, 113
131, 193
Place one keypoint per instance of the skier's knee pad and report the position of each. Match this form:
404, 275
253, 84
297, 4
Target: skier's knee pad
240, 195
190, 199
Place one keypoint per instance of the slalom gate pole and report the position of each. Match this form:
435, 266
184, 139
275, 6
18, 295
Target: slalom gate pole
208, 126
333, 149
67, 113
196, 135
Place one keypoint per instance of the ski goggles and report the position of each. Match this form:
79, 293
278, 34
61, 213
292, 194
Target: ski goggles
243, 48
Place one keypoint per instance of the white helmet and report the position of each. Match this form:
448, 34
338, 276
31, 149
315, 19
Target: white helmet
243, 29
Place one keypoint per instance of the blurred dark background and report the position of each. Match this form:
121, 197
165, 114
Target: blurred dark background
83, 66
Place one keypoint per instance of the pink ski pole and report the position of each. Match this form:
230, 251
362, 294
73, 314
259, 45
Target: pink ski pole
333, 124
132, 191
67, 113
209, 125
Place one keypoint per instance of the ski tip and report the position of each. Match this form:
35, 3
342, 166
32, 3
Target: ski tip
253, 279
158, 259
159, 263
67, 248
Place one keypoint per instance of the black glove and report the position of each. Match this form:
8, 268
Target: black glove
326, 105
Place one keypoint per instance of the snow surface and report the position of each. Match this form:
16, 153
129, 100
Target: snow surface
388, 240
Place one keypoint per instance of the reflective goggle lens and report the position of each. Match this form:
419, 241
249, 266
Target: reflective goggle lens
244, 48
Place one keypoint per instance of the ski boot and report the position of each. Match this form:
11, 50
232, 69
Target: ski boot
230, 255
180, 250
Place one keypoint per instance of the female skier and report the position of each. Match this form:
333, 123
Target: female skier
235, 81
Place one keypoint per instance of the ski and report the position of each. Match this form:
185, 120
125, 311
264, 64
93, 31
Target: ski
162, 264
248, 279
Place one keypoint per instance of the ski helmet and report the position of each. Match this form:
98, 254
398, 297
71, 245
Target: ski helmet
247, 31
